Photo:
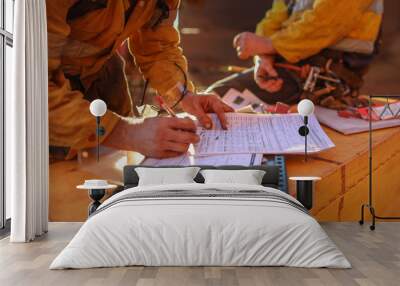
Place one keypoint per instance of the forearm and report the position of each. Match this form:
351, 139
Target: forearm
123, 136
264, 46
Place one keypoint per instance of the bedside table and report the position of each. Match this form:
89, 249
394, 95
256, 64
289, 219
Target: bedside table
305, 190
97, 190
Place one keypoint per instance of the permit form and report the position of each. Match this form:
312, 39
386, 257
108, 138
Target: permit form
349, 126
261, 134
213, 160
390, 111
245, 102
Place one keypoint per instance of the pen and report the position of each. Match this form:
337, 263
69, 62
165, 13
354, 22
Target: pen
165, 106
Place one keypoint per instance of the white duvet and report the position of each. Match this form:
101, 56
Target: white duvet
205, 231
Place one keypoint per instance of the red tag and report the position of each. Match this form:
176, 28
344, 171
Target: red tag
269, 108
281, 108
365, 114
346, 113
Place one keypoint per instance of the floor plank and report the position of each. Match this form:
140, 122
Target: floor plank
375, 257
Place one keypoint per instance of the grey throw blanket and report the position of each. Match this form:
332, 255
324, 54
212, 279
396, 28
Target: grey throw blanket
202, 194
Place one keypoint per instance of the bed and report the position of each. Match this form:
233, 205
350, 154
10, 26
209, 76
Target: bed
198, 224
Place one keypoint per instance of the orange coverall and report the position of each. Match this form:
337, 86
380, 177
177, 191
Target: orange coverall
314, 25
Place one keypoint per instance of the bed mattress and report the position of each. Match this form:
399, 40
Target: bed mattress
201, 225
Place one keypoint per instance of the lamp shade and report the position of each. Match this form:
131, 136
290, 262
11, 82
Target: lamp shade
305, 107
98, 107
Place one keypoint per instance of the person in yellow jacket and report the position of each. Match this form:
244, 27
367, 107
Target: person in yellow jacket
304, 31
83, 37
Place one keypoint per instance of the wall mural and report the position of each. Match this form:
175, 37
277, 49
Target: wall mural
157, 68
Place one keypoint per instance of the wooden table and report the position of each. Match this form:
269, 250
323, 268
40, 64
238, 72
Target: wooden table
344, 173
338, 197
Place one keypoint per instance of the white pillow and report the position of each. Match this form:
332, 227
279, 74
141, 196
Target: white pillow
248, 177
166, 176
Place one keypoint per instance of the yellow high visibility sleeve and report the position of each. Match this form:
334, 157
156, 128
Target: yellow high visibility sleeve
273, 19
325, 24
157, 52
70, 122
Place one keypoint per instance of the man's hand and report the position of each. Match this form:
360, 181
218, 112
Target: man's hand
159, 137
249, 44
200, 105
265, 74
164, 137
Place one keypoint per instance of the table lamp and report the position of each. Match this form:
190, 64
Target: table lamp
305, 109
98, 108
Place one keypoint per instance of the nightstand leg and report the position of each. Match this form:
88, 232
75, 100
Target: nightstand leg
96, 196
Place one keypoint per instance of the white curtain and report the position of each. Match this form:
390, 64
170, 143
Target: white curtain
27, 124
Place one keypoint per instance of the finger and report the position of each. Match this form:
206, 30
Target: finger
176, 147
238, 51
219, 110
218, 99
260, 80
278, 84
269, 68
203, 118
182, 137
243, 55
236, 40
267, 80
263, 84
271, 86
275, 85
268, 86
186, 124
272, 89
259, 73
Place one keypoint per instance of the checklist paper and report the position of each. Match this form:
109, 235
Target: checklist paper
261, 134
212, 160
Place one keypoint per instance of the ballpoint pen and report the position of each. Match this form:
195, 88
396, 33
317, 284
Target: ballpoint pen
165, 106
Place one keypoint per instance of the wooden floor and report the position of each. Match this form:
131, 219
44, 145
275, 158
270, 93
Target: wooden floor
375, 257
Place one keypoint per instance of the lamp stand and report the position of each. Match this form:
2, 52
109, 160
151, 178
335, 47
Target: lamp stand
370, 202
304, 131
100, 131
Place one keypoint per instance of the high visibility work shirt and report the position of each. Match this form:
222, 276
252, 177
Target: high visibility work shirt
83, 45
309, 26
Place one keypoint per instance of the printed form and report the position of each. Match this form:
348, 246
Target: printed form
261, 134
213, 160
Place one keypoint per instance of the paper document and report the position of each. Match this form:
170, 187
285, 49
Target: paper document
261, 134
386, 112
213, 160
245, 101
348, 126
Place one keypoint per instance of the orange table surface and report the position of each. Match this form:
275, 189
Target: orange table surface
338, 196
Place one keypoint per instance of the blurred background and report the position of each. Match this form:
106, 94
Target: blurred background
208, 27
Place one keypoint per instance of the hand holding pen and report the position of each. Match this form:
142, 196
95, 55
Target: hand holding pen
165, 106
